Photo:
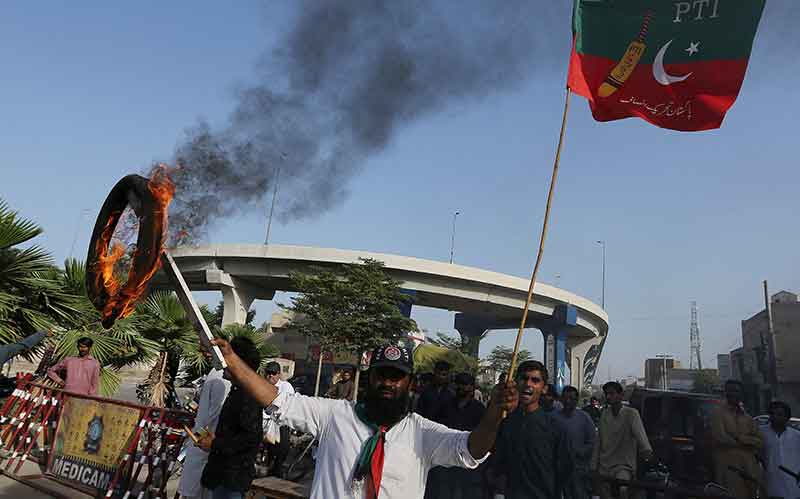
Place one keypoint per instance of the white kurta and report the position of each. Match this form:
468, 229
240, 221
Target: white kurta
284, 387
212, 396
272, 411
413, 446
781, 450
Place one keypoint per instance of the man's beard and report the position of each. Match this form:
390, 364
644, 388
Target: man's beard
383, 411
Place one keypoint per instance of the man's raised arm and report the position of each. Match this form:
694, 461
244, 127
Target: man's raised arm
257, 387
482, 438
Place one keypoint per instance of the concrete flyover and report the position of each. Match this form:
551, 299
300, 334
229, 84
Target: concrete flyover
574, 329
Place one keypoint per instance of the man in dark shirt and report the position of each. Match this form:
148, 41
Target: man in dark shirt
581, 433
532, 445
233, 447
462, 413
437, 395
342, 389
549, 399
593, 410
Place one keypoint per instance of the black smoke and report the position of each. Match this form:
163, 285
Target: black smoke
338, 86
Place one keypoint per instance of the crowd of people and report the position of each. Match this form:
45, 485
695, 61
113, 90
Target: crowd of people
431, 436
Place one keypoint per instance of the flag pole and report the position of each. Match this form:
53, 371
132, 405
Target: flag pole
529, 300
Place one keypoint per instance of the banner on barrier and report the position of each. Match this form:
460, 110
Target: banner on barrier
91, 440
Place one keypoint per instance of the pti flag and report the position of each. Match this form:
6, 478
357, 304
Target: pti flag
676, 64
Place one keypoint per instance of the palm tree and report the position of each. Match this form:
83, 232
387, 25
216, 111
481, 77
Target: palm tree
116, 348
32, 295
35, 294
163, 319
195, 363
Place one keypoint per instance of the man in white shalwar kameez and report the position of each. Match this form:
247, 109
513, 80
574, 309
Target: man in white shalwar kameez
781, 448
376, 447
212, 396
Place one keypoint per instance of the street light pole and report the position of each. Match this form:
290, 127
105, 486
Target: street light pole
274, 196
83, 213
453, 236
603, 296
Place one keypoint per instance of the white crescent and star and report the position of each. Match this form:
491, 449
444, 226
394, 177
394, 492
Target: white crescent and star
660, 74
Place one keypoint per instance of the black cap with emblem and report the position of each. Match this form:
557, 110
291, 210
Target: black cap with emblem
399, 357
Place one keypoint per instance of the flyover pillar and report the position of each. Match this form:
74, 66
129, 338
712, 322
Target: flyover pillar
472, 329
584, 357
555, 333
236, 305
237, 296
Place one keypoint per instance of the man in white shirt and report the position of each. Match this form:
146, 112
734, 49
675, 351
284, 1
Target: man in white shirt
377, 446
781, 449
212, 397
278, 451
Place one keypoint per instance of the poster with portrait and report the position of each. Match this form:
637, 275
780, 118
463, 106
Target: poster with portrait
91, 439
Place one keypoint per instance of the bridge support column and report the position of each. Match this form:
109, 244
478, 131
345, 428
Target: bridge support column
555, 335
473, 329
237, 296
584, 357
405, 307
236, 305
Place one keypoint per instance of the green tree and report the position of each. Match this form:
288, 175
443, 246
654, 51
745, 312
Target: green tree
351, 310
449, 342
706, 381
32, 295
162, 319
35, 294
499, 360
116, 348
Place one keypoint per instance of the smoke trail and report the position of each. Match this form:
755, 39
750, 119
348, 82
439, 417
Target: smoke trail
340, 84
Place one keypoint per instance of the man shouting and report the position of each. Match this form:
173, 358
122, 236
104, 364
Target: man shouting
376, 448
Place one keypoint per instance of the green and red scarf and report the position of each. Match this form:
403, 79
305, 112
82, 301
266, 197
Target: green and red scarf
369, 467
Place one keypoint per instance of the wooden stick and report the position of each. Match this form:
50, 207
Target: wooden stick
191, 434
513, 367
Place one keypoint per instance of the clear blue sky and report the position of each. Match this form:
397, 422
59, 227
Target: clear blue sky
94, 90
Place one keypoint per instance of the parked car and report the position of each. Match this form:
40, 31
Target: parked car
678, 425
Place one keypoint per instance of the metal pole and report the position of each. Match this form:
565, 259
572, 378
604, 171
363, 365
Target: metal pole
81, 214
603, 295
453, 236
272, 208
773, 356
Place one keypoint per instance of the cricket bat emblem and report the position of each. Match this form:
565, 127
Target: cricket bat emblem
624, 68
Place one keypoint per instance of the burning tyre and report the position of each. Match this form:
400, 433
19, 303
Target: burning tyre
149, 200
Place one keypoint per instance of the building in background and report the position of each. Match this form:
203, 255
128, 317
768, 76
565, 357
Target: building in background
681, 380
656, 372
724, 367
632, 381
755, 364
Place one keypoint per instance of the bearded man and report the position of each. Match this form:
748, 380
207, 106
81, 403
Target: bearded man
376, 448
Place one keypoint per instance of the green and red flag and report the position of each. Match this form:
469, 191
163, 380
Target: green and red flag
676, 64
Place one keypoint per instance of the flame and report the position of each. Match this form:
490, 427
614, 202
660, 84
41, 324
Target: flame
122, 298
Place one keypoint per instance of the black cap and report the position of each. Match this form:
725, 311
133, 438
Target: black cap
272, 367
398, 357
